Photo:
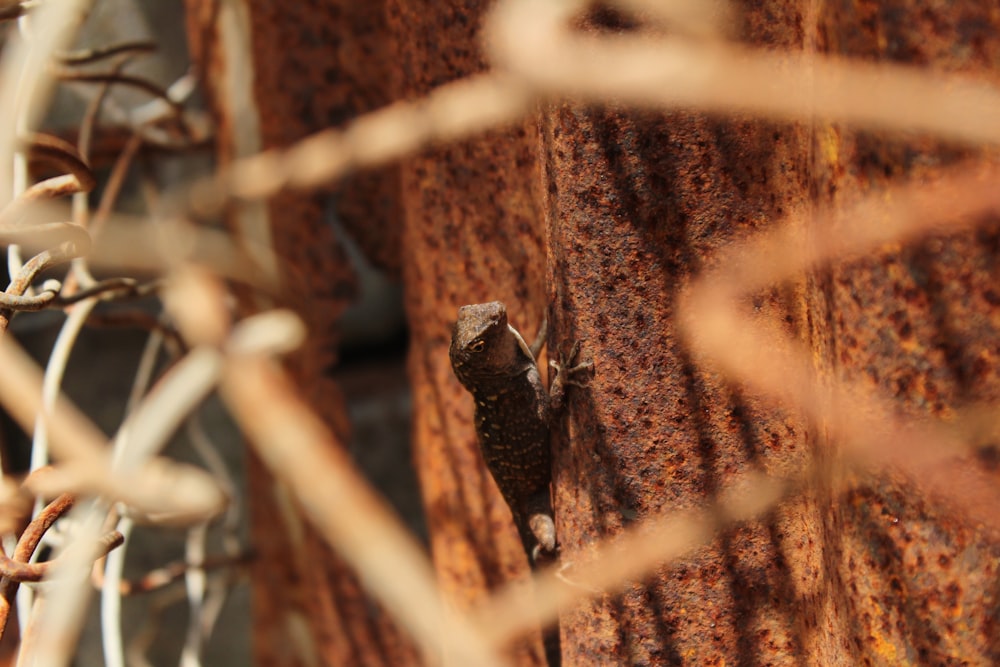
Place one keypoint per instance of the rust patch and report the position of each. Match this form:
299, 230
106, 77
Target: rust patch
638, 203
623, 209
473, 233
919, 323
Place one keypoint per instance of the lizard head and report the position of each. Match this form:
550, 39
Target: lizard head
482, 343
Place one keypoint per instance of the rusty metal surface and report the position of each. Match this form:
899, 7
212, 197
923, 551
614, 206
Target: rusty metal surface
353, 76
616, 212
638, 202
473, 233
920, 323
307, 59
867, 573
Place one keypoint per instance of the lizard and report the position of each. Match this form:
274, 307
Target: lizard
513, 417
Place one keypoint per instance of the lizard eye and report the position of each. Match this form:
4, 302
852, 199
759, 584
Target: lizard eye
477, 346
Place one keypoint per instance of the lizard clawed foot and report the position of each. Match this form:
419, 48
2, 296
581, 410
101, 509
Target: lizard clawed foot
566, 372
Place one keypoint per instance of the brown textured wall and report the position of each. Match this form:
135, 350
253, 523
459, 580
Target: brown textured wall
599, 217
637, 204
869, 572
473, 232
920, 323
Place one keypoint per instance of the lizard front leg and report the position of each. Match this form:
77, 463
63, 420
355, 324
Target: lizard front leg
539, 342
566, 374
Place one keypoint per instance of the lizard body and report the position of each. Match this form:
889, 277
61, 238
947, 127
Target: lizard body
513, 416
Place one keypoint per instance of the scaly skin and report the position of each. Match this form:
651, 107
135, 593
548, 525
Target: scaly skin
514, 414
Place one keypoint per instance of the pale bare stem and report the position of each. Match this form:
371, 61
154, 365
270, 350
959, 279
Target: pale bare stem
57, 154
52, 382
177, 93
53, 631
114, 185
535, 42
81, 205
131, 244
111, 599
116, 77
146, 121
51, 387
275, 332
111, 635
128, 81
26, 61
70, 597
168, 576
19, 173
29, 633
144, 638
85, 458
538, 54
209, 454
215, 599
23, 548
144, 370
86, 464
175, 395
194, 584
449, 113
306, 456
89, 56
217, 587
234, 40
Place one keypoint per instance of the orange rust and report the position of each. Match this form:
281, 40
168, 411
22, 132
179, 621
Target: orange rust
918, 322
861, 571
622, 209
473, 233
639, 202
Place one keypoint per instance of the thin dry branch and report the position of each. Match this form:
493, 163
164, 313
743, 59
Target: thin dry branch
85, 458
